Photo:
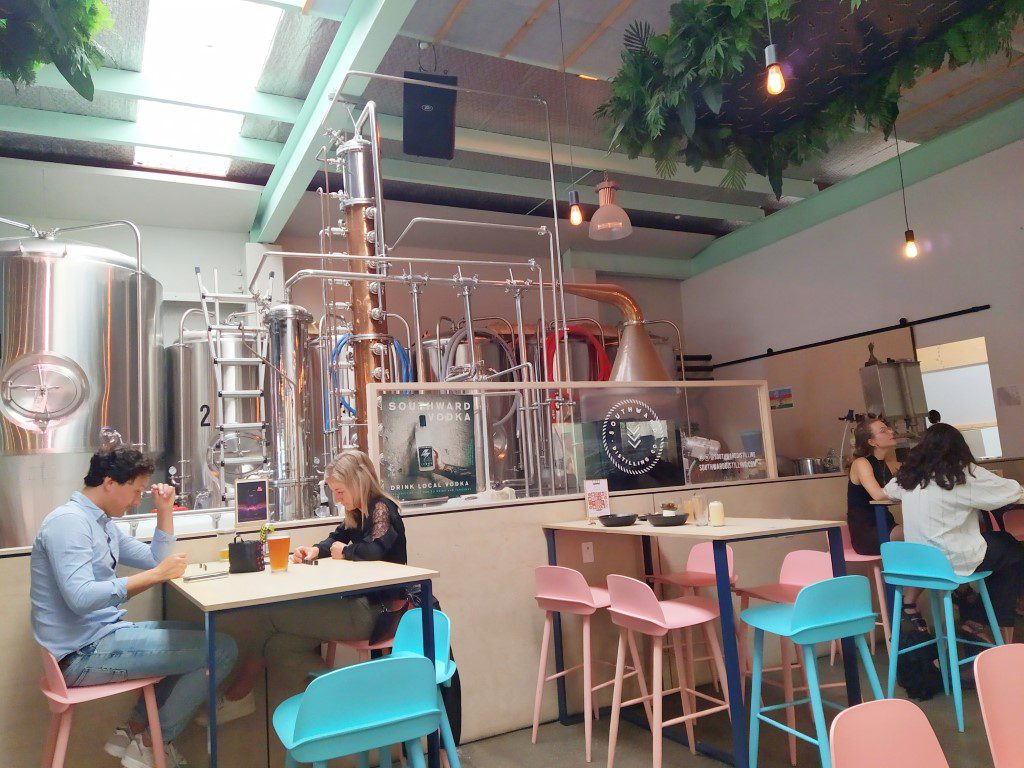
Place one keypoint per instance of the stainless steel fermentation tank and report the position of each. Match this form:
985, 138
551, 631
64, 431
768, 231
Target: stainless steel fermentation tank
193, 429
69, 365
288, 394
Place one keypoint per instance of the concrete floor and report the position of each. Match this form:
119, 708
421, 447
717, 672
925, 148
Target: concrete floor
562, 746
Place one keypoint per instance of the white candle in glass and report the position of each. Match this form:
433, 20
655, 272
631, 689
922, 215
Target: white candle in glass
716, 512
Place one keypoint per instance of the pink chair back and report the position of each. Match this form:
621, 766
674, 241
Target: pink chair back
999, 673
635, 606
1013, 521
53, 678
563, 589
702, 559
887, 733
805, 566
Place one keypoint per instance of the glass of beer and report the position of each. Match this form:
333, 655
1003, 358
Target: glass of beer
279, 544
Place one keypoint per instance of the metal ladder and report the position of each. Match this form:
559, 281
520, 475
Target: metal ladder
256, 340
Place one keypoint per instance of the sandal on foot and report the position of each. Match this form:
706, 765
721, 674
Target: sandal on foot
973, 630
913, 615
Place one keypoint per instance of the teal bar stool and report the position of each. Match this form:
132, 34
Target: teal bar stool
828, 610
908, 564
353, 710
409, 642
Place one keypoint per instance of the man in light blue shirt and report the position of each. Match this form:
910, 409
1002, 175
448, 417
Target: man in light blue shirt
77, 600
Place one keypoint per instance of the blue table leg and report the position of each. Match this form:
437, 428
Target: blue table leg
882, 528
835, 548
429, 650
211, 690
733, 673
563, 706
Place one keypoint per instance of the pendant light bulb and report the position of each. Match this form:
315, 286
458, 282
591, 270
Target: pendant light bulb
910, 248
774, 81
575, 210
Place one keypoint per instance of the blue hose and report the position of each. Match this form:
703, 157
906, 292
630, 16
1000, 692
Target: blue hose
404, 369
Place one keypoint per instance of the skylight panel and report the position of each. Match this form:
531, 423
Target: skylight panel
209, 46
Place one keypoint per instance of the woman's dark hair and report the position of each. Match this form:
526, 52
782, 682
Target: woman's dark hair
942, 456
122, 465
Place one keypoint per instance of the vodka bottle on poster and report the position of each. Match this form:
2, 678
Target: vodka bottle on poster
424, 450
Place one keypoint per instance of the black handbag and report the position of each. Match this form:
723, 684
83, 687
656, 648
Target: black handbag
245, 556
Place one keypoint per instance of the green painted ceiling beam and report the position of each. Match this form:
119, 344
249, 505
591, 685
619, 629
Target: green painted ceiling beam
327, 9
540, 189
61, 125
979, 137
484, 142
365, 34
135, 85
627, 264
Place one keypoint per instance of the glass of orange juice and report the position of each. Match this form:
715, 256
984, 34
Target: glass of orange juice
279, 544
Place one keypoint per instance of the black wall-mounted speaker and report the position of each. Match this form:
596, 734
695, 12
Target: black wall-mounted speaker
428, 116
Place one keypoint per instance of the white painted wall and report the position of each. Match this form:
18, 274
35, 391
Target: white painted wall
848, 275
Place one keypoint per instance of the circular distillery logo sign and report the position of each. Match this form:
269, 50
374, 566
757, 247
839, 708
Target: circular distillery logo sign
633, 436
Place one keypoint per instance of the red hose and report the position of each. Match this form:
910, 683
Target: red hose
600, 365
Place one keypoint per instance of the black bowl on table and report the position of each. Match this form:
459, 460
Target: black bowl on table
666, 520
617, 521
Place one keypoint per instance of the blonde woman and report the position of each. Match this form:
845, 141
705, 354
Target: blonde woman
372, 530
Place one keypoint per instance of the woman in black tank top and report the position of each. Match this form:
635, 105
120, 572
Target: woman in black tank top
873, 466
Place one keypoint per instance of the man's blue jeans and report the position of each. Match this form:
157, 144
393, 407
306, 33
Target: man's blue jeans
174, 650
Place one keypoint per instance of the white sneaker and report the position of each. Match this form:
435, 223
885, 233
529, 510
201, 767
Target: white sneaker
138, 755
118, 741
228, 709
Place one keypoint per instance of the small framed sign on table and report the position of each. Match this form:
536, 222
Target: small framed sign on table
598, 501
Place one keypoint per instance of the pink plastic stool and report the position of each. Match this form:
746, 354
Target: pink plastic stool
852, 556
363, 648
799, 568
699, 574
635, 609
63, 700
999, 674
563, 590
887, 733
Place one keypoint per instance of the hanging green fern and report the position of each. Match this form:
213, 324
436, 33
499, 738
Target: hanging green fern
61, 32
658, 95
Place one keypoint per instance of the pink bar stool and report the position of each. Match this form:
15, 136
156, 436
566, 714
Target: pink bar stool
63, 700
799, 569
635, 609
563, 590
852, 556
887, 733
699, 574
999, 673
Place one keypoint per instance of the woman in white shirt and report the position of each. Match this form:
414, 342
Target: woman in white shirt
941, 489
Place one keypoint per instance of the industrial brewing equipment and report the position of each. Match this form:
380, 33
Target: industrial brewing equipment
79, 352
195, 435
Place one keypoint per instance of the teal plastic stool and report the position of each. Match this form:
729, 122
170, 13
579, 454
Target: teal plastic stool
355, 709
907, 564
409, 642
828, 610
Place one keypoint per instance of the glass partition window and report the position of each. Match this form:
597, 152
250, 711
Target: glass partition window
500, 441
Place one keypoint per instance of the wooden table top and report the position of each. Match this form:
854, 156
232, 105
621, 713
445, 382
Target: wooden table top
734, 528
329, 577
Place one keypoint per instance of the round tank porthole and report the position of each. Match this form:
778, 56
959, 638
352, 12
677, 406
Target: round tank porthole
39, 391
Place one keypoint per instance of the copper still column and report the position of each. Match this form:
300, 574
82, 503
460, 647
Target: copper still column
370, 342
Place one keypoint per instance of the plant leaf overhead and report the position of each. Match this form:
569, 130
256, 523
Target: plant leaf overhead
58, 32
671, 97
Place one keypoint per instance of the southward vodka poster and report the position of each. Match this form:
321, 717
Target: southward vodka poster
429, 446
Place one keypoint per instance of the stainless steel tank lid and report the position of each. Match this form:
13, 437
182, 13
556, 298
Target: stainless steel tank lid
59, 249
355, 144
289, 312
